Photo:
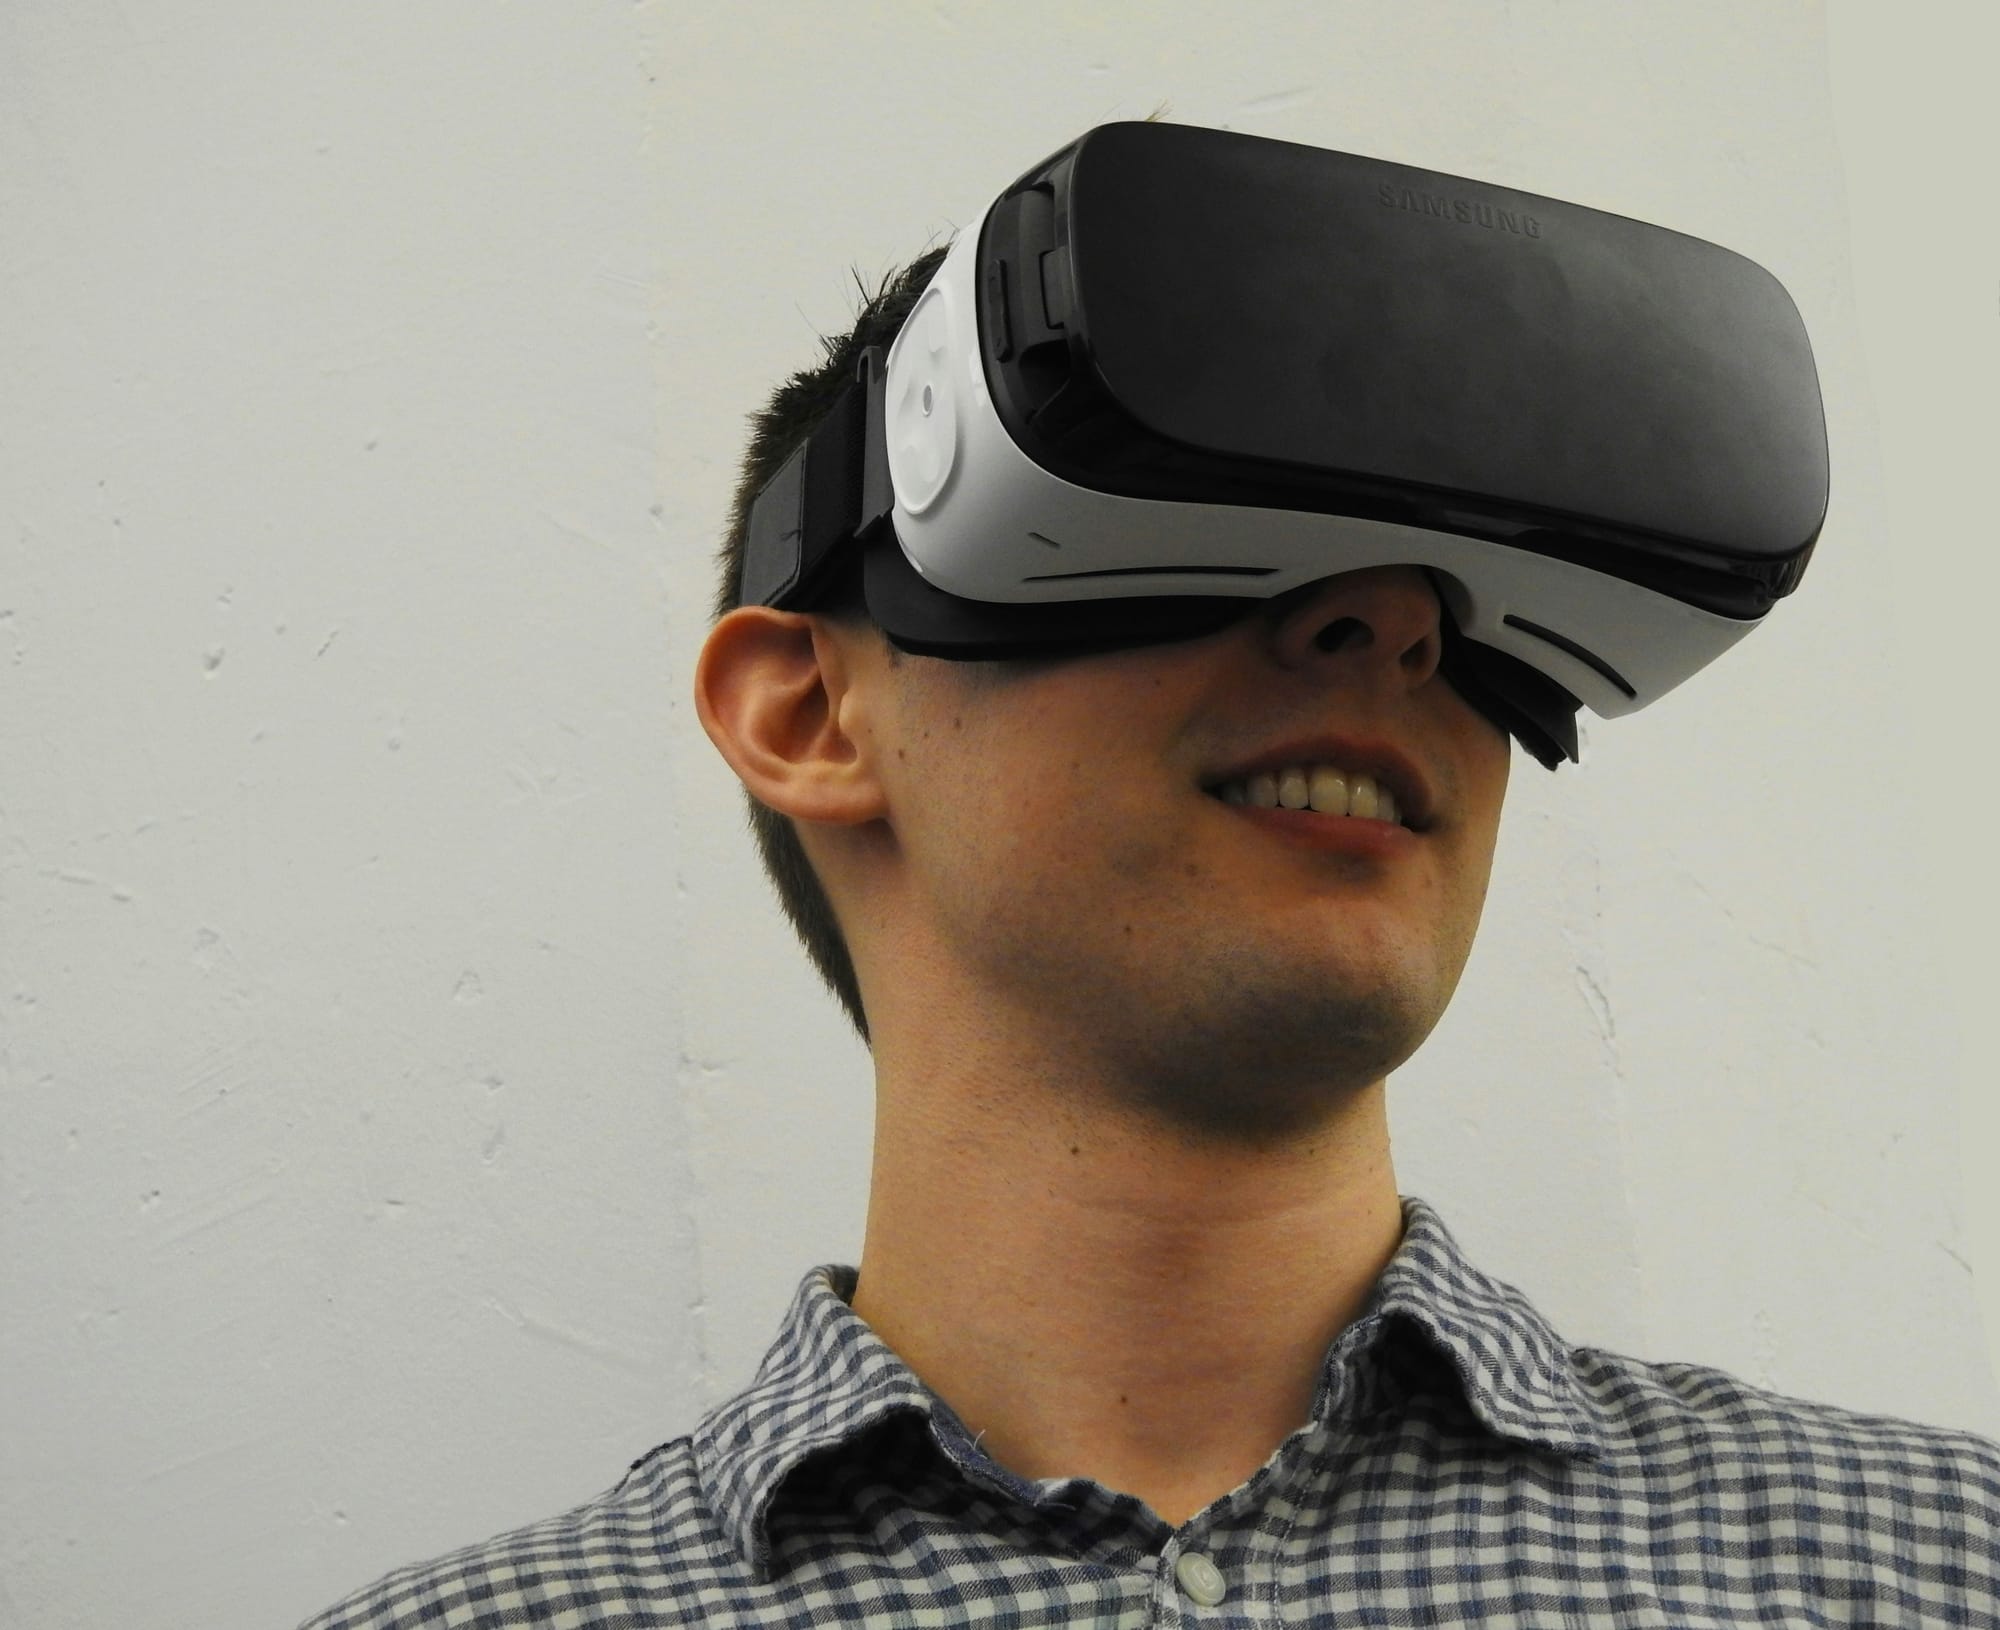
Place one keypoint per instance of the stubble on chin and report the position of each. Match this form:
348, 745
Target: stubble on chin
1264, 1057
1232, 1048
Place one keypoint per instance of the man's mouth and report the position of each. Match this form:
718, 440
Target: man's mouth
1325, 789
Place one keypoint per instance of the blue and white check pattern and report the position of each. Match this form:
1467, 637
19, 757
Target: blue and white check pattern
1462, 1466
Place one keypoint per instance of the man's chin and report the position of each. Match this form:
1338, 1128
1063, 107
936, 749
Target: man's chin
1258, 1073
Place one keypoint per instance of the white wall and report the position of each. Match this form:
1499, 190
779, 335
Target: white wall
412, 1104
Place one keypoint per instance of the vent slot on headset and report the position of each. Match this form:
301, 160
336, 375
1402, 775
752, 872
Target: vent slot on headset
1153, 571
1569, 647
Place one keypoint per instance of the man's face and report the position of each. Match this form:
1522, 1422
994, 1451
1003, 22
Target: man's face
1055, 842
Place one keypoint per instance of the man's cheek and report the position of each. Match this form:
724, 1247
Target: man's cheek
1151, 852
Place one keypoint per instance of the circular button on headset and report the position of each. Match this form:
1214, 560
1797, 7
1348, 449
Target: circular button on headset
920, 413
1200, 1578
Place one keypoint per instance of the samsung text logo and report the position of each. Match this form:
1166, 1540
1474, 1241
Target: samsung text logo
1457, 209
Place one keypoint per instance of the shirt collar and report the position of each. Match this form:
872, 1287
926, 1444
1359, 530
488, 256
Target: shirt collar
828, 1378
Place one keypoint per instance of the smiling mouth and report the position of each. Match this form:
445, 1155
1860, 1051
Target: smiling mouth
1319, 789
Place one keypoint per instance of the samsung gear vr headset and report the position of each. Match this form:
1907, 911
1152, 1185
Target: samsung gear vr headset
1176, 371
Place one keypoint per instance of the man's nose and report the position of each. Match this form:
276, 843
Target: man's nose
1381, 617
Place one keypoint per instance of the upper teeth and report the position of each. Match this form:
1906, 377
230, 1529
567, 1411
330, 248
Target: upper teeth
1318, 787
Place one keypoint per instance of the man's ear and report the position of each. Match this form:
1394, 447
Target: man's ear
776, 691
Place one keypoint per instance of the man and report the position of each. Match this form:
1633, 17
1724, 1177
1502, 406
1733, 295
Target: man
1143, 1331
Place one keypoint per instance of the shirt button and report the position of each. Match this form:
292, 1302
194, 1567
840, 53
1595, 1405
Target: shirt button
1200, 1578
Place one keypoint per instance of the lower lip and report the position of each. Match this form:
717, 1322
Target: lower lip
1334, 834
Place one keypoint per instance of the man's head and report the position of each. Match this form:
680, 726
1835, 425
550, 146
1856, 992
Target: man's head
1037, 841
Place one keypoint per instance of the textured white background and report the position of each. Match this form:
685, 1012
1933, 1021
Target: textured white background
412, 1104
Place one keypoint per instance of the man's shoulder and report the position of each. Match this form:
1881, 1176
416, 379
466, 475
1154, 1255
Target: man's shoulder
1725, 1442
624, 1555
1650, 1398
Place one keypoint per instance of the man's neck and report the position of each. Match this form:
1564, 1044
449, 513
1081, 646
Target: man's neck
1095, 1300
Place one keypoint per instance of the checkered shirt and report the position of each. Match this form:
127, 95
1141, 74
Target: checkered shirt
1462, 1466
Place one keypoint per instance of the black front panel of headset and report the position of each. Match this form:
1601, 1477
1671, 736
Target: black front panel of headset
1181, 313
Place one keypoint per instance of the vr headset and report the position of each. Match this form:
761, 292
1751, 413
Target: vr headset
1175, 372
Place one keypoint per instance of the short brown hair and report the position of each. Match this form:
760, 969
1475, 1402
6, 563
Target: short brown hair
794, 412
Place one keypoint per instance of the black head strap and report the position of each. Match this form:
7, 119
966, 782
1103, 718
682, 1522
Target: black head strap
832, 488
